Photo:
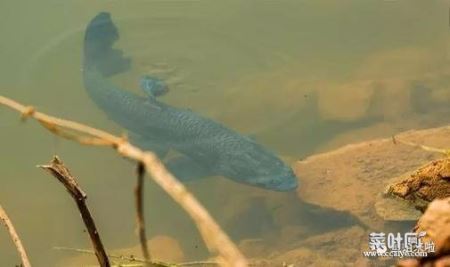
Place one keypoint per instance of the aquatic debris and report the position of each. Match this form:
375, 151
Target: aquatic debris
165, 251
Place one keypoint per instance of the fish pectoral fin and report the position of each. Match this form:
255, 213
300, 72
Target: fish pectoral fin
185, 169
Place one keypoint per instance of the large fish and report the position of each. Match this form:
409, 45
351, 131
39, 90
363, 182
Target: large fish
207, 147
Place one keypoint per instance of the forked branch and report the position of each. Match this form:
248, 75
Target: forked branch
215, 238
60, 172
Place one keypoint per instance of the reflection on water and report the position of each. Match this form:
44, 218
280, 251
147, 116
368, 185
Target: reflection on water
299, 76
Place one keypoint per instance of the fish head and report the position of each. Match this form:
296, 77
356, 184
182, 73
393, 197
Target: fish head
256, 166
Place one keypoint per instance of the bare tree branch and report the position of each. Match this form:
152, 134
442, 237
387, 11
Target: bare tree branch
215, 238
58, 170
15, 237
139, 198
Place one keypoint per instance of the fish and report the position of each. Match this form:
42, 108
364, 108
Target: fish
205, 146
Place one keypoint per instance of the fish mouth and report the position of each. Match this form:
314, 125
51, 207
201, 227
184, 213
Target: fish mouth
287, 181
283, 183
287, 184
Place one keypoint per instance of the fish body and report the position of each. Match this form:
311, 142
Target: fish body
208, 147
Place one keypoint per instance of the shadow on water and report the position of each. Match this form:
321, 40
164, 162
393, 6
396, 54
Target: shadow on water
258, 219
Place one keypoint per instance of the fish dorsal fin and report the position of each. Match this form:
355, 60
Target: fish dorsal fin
153, 86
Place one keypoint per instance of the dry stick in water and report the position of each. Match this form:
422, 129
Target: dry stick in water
214, 237
445, 152
141, 262
15, 237
139, 197
131, 258
58, 170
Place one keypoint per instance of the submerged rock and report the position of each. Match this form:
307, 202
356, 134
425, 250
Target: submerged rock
409, 194
345, 102
393, 209
262, 101
351, 178
426, 184
436, 223
408, 80
336, 248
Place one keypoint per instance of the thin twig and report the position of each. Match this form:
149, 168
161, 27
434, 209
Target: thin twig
139, 197
141, 261
446, 152
58, 170
215, 238
15, 237
114, 256
197, 263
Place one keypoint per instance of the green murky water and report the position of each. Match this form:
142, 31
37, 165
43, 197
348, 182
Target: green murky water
300, 76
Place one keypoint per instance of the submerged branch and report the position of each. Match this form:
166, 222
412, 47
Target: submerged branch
139, 198
445, 152
15, 237
141, 262
215, 238
118, 257
60, 172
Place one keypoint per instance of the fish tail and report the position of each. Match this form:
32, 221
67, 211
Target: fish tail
100, 35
